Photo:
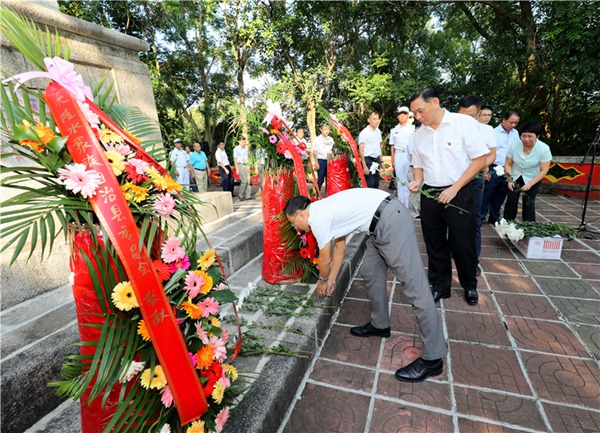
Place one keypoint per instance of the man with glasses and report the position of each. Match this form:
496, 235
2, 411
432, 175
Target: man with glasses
392, 244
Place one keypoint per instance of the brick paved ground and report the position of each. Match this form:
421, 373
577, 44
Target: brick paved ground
525, 359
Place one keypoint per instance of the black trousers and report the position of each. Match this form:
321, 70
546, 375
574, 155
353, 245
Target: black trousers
512, 202
449, 230
322, 173
372, 179
226, 179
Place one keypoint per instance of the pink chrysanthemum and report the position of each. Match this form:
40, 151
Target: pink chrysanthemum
140, 166
202, 334
164, 205
78, 179
273, 139
180, 264
123, 149
221, 419
89, 115
172, 251
209, 307
166, 397
220, 350
224, 335
193, 284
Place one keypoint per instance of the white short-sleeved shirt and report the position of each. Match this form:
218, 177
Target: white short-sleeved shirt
488, 134
240, 154
528, 166
322, 146
343, 213
372, 140
503, 142
179, 158
221, 157
446, 152
399, 136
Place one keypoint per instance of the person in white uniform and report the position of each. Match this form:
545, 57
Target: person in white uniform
180, 160
399, 138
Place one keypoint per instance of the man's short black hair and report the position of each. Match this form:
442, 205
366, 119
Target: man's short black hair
296, 204
533, 127
486, 107
426, 93
510, 113
469, 101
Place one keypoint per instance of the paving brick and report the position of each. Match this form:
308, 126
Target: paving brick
549, 268
591, 337
342, 346
487, 367
536, 307
545, 336
429, 393
564, 380
495, 252
502, 266
392, 417
355, 312
400, 350
587, 271
343, 375
476, 328
403, 319
511, 283
571, 256
567, 287
326, 410
579, 310
572, 420
358, 290
470, 426
509, 409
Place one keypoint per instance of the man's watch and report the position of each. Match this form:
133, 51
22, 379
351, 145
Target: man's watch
323, 279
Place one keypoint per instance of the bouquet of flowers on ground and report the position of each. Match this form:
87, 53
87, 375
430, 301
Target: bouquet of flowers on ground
517, 230
65, 182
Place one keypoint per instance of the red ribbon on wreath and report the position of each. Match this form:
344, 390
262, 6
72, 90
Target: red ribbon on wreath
114, 215
343, 131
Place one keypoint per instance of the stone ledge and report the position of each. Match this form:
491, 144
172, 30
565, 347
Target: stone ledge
266, 402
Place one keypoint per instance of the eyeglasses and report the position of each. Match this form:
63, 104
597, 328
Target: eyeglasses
293, 221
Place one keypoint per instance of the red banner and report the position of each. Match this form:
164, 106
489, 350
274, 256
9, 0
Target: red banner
116, 219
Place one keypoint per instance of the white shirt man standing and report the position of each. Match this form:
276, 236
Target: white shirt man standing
448, 153
224, 168
369, 146
240, 158
399, 138
321, 148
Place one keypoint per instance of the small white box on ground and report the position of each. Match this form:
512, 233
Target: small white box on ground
540, 248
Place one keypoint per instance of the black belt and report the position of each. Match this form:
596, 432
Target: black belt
200, 169
377, 215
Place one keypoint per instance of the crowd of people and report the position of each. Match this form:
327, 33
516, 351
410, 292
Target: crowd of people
451, 161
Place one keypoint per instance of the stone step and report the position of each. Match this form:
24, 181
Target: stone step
38, 333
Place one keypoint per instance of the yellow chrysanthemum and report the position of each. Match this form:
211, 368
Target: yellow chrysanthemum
133, 192
208, 282
156, 381
158, 181
196, 427
109, 137
172, 185
45, 133
116, 160
193, 311
143, 331
230, 371
213, 321
205, 357
207, 260
218, 392
123, 296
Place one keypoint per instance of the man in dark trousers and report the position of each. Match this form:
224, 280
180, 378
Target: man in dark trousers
392, 244
448, 153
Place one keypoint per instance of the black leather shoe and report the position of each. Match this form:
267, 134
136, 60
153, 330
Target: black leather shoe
418, 371
369, 330
440, 295
471, 296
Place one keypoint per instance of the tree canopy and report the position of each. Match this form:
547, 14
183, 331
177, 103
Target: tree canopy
353, 57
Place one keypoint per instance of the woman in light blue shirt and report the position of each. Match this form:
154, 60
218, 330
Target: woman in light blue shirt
527, 162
